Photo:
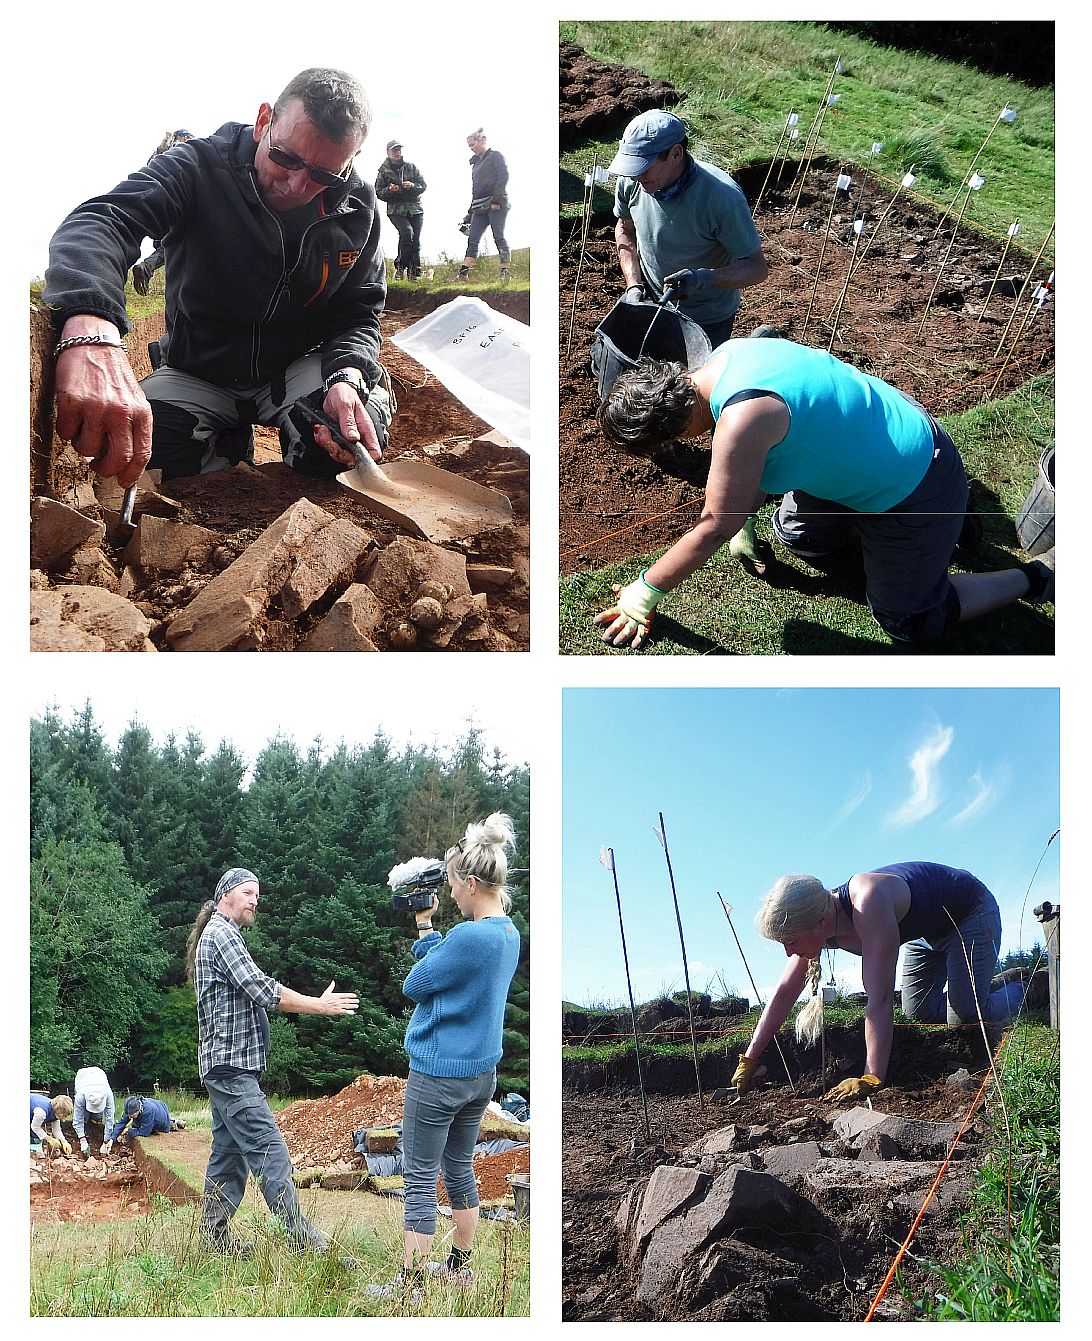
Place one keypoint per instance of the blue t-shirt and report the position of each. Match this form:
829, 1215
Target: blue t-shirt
940, 898
852, 439
460, 984
706, 225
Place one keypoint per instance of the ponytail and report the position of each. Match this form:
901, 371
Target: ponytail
200, 923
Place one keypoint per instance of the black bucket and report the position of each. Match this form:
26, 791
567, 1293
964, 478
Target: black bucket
632, 331
1035, 523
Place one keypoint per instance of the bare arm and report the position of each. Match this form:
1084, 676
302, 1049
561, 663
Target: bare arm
741, 441
329, 1003
742, 274
625, 242
778, 1006
875, 922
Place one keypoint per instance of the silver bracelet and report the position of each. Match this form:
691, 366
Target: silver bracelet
73, 340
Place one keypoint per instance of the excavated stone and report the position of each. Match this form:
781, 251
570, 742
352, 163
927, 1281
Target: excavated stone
396, 573
328, 558
876, 1145
914, 1138
347, 626
737, 1201
870, 1178
91, 568
56, 531
669, 1191
228, 615
38, 580
726, 1140
961, 1080
489, 576
788, 1162
163, 546
86, 619
624, 1214
852, 1125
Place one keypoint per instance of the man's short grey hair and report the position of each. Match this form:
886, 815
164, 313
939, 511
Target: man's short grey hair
648, 406
333, 101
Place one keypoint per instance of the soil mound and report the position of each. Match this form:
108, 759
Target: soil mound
597, 99
319, 1132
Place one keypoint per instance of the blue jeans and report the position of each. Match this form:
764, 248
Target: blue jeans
245, 1139
493, 220
964, 960
439, 1128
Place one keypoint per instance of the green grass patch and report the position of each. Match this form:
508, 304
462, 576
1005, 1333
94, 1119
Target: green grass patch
741, 79
798, 609
1010, 1271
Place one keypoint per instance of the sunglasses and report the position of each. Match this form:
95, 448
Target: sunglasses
291, 163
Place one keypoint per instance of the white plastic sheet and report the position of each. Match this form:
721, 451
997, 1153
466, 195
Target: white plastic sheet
483, 358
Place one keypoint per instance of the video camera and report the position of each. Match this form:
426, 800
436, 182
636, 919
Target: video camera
415, 883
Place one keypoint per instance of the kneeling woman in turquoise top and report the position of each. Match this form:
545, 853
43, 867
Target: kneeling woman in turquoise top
848, 452
454, 1041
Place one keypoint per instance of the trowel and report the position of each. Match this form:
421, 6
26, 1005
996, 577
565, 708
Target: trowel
434, 503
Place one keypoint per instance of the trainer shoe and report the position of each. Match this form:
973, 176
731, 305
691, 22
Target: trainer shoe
464, 1276
463, 272
405, 1286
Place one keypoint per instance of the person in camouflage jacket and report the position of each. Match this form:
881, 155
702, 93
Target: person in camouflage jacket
399, 183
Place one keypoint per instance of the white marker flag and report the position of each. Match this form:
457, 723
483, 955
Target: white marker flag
792, 118
977, 183
909, 179
606, 858
837, 67
602, 175
858, 225
795, 135
844, 182
833, 98
1040, 295
876, 147
1014, 228
1008, 114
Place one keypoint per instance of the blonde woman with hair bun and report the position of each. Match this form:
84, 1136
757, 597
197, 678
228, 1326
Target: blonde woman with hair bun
454, 1041
946, 918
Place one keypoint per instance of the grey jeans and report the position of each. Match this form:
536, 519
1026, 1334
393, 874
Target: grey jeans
965, 960
189, 415
246, 1138
439, 1127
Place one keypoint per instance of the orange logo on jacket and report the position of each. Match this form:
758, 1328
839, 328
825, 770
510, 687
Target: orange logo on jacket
348, 258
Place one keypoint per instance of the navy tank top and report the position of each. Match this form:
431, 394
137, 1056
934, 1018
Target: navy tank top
940, 898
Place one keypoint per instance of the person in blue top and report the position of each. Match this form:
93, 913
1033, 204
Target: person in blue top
853, 457
459, 984
46, 1112
143, 1117
945, 917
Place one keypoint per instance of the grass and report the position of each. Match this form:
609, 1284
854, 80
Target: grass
721, 611
1010, 1271
154, 1266
741, 79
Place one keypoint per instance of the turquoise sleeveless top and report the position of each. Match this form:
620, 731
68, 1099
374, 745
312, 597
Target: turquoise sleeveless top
852, 439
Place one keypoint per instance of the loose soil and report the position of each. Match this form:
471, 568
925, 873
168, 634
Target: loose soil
597, 98
72, 1190
240, 504
606, 1152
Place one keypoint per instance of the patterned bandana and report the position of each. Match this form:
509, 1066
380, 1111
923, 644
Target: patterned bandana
238, 875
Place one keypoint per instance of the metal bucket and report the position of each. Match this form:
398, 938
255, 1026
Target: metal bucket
520, 1184
1035, 522
632, 331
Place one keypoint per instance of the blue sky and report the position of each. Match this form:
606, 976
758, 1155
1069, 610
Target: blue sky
757, 783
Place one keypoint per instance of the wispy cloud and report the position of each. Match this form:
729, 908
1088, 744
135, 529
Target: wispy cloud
855, 799
983, 797
924, 764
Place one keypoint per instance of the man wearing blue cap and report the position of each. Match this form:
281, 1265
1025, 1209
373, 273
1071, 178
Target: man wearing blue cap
143, 1117
233, 996
682, 225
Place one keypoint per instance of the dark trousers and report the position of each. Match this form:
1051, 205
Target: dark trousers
439, 1127
408, 227
495, 221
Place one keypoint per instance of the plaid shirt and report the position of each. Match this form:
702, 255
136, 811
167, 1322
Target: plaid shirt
232, 995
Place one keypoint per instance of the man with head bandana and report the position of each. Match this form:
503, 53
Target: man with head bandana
233, 996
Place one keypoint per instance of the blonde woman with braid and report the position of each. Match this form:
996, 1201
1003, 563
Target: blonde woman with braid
949, 923
460, 985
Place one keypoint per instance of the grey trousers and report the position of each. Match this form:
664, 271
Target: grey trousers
246, 1138
964, 960
439, 1127
189, 415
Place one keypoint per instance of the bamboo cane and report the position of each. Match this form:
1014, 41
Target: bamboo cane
1014, 228
662, 835
1033, 307
887, 211
728, 914
812, 140
629, 985
822, 249
944, 262
773, 162
970, 171
1023, 289
583, 245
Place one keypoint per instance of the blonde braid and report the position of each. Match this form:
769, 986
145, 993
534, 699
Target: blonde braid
810, 1020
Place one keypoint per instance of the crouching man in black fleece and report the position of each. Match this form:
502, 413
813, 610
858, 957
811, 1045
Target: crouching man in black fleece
275, 283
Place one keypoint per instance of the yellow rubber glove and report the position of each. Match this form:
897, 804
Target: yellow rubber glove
51, 1144
853, 1088
66, 1147
630, 617
743, 1075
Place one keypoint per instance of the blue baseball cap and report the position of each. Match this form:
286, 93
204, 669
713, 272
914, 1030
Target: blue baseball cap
134, 1104
646, 136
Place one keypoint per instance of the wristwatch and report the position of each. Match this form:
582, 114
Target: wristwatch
355, 379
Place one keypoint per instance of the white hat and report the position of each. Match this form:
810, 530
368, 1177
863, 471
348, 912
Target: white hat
95, 1100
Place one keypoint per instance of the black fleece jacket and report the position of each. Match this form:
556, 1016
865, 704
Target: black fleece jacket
238, 309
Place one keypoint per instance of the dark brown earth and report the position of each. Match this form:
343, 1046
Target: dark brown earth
606, 1152
613, 507
597, 98
240, 504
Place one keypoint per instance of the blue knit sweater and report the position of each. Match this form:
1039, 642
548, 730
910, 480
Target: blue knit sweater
460, 984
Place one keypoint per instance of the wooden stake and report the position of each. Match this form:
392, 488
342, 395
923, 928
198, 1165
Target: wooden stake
1033, 307
773, 161
629, 985
822, 249
1014, 228
662, 836
970, 171
586, 226
761, 1005
1023, 289
886, 212
943, 263
812, 140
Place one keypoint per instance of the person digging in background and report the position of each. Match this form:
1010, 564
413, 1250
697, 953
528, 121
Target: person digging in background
275, 284
94, 1103
683, 225
949, 923
46, 1112
233, 996
400, 185
148, 265
854, 459
489, 204
454, 1042
143, 1117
